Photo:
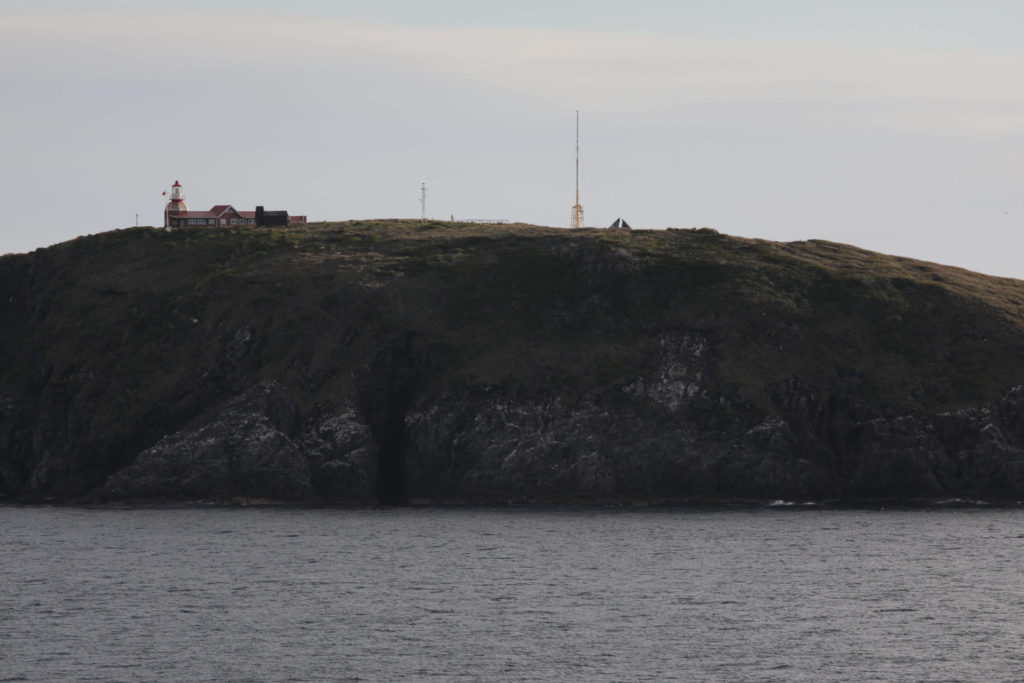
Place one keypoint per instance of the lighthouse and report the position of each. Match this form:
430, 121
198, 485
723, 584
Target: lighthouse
177, 202
176, 205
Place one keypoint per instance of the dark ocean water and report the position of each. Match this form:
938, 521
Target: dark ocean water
238, 594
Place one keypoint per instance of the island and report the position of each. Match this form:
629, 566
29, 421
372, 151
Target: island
420, 362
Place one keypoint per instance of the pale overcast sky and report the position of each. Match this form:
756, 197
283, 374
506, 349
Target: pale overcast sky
897, 126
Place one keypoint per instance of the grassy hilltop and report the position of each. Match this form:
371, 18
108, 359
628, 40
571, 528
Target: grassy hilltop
113, 341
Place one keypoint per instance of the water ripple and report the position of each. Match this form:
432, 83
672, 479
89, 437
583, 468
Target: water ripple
218, 594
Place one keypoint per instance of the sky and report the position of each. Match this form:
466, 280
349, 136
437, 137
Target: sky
896, 126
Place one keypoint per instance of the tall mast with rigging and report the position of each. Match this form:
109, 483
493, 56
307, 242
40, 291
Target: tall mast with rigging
576, 220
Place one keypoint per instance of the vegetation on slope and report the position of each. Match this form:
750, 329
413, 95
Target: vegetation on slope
132, 330
135, 302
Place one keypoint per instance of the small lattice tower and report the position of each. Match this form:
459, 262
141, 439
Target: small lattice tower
423, 202
576, 220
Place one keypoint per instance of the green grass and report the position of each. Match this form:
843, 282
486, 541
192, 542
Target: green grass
130, 318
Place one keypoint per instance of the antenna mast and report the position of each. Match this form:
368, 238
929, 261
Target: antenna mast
423, 202
576, 221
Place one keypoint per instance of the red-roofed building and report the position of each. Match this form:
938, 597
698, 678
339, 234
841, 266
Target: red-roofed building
177, 215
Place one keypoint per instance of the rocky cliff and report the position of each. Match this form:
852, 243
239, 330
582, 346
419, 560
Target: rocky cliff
391, 361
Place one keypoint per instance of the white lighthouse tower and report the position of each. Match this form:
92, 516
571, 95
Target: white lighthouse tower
176, 205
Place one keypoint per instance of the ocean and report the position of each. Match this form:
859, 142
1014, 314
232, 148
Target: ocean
511, 594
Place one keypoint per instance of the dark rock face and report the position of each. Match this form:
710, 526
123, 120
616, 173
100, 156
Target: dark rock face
251, 448
342, 458
658, 448
486, 447
625, 367
244, 449
385, 394
668, 436
665, 437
